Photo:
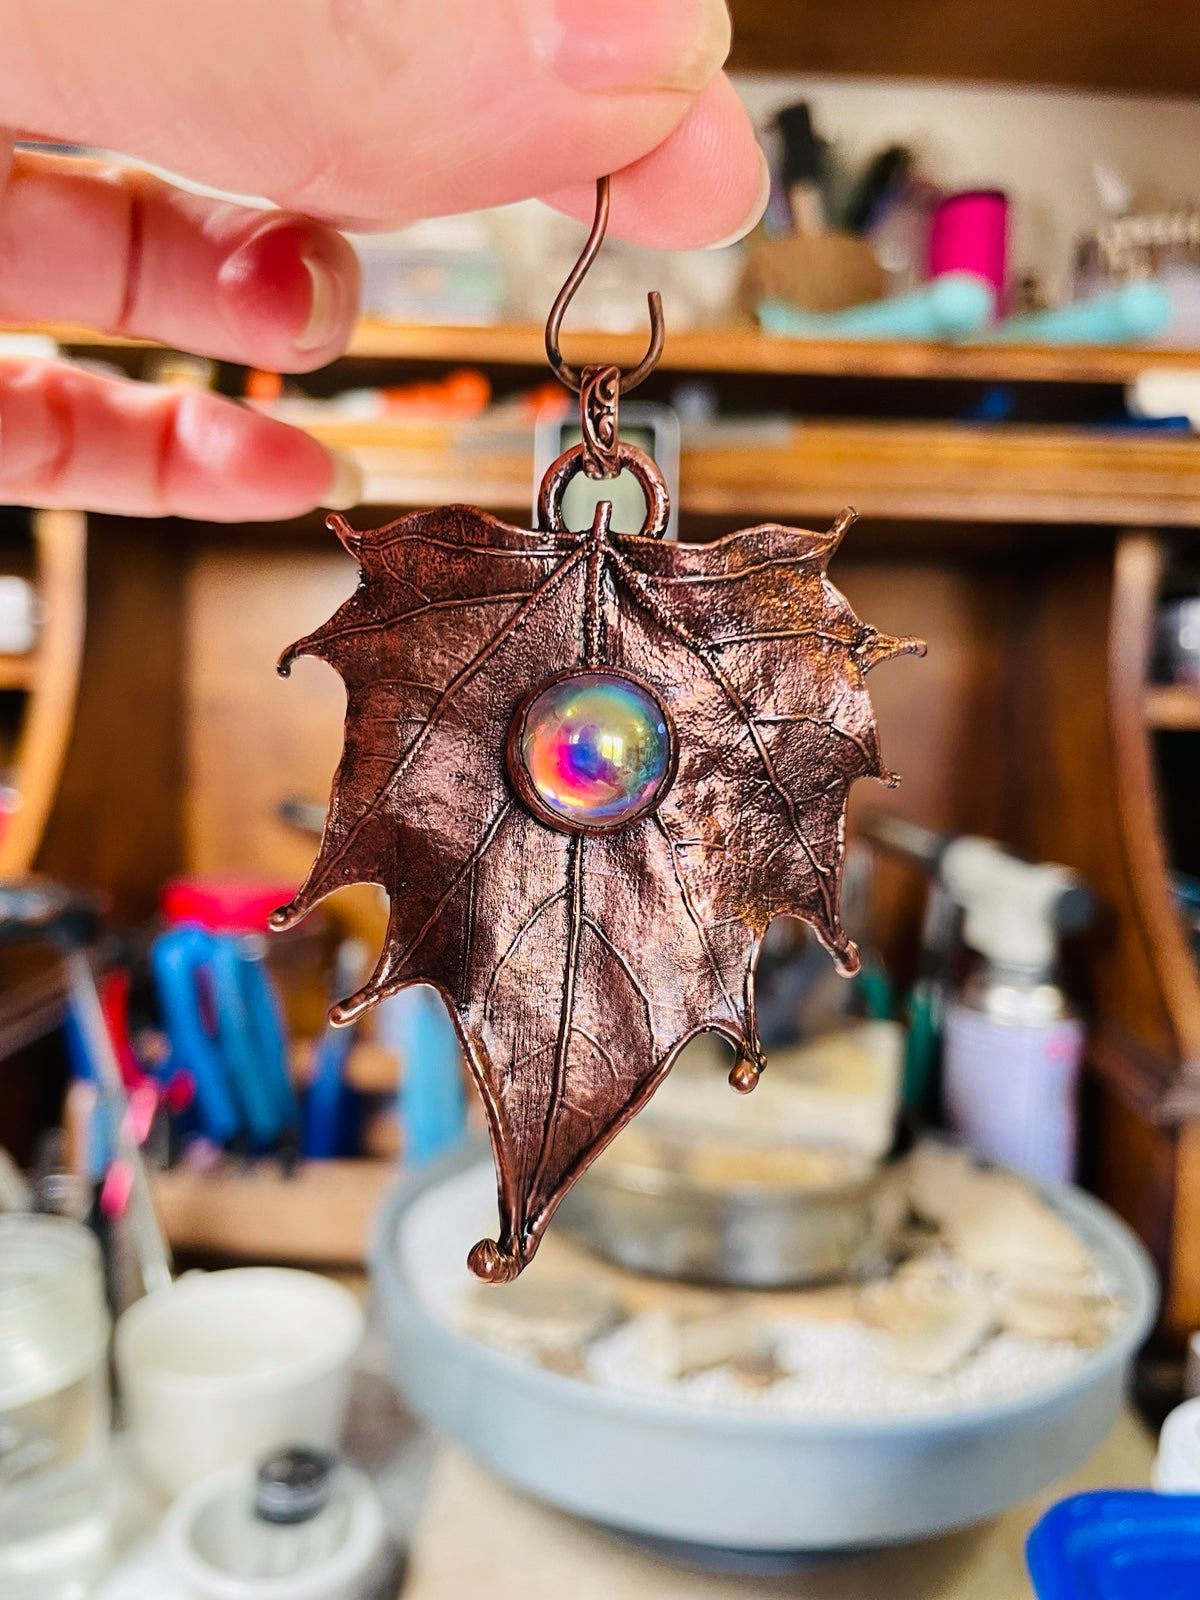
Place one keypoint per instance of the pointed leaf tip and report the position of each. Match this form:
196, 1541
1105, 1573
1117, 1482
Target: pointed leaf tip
842, 523
846, 958
877, 647
348, 1011
336, 523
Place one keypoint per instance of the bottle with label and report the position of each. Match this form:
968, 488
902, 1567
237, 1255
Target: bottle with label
1013, 1049
1012, 1044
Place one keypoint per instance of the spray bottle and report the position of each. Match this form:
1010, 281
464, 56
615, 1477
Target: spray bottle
1012, 1044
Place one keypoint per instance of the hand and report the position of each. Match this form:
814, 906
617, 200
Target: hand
363, 113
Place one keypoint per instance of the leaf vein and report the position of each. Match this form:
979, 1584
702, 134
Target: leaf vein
562, 1050
638, 591
468, 865
694, 917
510, 950
464, 675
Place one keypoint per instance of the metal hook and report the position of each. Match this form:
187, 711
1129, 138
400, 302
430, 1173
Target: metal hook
568, 374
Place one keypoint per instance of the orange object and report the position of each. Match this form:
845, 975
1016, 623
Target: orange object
263, 386
464, 393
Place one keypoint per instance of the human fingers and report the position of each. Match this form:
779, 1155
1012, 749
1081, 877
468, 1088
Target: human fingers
124, 252
375, 112
725, 201
75, 438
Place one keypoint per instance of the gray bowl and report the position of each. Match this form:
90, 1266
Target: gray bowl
750, 1481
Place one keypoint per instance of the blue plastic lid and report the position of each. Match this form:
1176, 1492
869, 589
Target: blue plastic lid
1118, 1544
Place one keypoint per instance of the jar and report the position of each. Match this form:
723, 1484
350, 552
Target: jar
54, 1410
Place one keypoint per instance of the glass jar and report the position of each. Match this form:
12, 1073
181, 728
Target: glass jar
54, 1410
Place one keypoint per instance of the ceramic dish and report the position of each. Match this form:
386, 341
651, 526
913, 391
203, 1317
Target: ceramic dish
720, 1478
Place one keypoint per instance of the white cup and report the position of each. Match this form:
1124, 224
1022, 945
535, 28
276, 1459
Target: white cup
224, 1367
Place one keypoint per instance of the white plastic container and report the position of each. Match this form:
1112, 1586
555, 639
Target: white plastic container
54, 1410
224, 1367
204, 1532
1177, 1464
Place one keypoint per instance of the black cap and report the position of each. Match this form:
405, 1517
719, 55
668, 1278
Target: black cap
294, 1485
803, 152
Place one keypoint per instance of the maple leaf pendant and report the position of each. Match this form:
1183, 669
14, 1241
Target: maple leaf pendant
588, 769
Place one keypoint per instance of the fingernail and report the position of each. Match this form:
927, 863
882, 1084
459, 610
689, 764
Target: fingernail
325, 316
755, 215
346, 486
630, 44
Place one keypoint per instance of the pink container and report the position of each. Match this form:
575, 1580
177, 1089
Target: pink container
969, 233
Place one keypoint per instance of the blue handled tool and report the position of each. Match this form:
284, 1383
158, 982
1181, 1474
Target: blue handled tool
324, 1131
226, 1031
433, 1108
250, 1036
175, 959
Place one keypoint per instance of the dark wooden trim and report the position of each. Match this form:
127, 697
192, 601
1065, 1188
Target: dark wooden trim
1083, 44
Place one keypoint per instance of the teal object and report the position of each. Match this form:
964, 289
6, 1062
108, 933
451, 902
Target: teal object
922, 1045
875, 991
954, 306
1117, 1544
433, 1108
1130, 315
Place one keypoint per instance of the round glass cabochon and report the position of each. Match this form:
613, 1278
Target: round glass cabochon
595, 748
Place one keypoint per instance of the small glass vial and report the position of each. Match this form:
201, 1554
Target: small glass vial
54, 1410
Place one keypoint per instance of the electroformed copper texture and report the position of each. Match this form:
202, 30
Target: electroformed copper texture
576, 964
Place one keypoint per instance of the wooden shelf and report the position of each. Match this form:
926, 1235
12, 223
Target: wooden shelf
321, 1214
746, 350
904, 471
739, 349
1173, 707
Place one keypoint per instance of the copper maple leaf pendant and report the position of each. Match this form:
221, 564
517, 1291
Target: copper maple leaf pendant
588, 769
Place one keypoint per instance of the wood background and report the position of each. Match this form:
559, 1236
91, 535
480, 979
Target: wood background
1093, 44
